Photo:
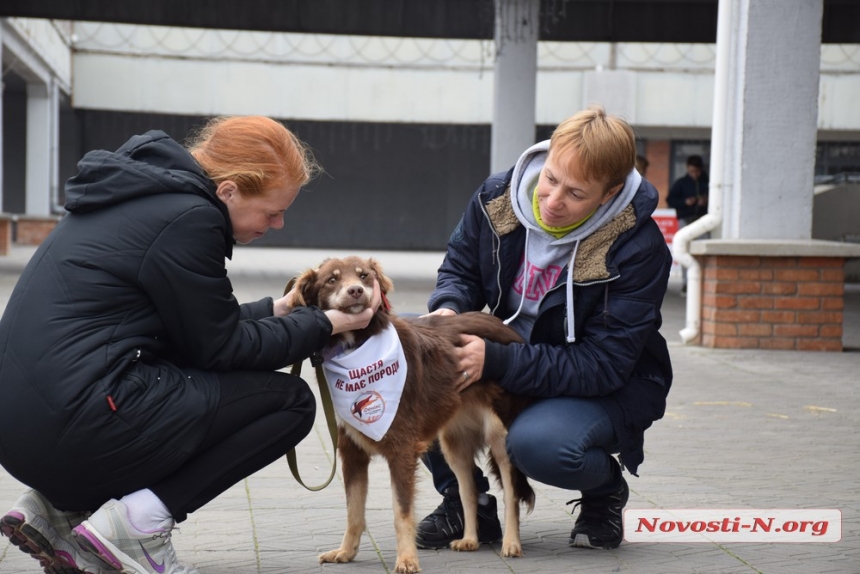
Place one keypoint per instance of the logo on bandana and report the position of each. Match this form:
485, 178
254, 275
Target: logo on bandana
369, 407
366, 383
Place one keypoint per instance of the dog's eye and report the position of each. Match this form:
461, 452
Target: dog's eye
363, 276
332, 280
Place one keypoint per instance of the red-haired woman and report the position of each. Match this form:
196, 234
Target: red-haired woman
138, 388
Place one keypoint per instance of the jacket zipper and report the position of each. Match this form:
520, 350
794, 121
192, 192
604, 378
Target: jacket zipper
497, 260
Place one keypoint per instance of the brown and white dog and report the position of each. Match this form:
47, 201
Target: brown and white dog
430, 407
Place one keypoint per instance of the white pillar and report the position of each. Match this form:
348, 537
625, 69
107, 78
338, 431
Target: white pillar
775, 103
515, 81
42, 145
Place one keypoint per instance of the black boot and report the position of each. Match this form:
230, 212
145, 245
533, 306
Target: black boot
445, 524
600, 521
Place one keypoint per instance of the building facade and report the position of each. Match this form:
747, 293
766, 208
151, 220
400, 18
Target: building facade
401, 126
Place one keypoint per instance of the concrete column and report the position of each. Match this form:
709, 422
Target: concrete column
775, 69
515, 81
42, 137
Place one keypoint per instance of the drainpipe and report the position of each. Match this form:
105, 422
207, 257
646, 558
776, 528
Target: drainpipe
54, 147
714, 217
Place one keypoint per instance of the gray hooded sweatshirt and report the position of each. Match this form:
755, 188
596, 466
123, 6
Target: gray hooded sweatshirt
546, 256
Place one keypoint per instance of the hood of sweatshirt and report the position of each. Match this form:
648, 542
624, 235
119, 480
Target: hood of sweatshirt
148, 164
523, 181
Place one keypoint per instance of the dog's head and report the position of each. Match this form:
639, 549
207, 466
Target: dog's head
346, 285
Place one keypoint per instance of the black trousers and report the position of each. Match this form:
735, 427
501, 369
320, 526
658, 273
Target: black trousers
260, 417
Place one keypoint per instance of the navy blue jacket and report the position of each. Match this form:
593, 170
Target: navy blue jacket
620, 279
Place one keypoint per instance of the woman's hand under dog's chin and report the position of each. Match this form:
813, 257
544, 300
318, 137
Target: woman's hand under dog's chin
341, 321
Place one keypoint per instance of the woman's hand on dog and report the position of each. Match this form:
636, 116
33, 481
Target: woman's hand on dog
442, 311
291, 299
470, 353
341, 321
471, 356
284, 305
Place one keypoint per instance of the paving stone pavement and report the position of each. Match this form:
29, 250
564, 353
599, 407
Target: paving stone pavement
743, 430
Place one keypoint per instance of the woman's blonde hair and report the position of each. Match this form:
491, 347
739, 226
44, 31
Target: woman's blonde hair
255, 152
603, 146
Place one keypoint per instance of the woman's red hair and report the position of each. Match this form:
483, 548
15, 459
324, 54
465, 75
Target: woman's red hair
255, 152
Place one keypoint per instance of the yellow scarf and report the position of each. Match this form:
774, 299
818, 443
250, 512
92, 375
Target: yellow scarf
557, 232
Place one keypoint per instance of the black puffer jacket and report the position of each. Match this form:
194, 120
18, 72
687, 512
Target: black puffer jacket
110, 337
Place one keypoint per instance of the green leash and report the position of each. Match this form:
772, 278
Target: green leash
331, 422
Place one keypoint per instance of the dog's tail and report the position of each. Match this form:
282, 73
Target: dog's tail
522, 489
475, 323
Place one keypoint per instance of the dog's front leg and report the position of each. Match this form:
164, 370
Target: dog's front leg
354, 463
402, 469
461, 457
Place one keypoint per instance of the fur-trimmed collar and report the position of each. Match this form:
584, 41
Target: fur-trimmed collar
501, 212
590, 264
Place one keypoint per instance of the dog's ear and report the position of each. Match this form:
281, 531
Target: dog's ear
303, 289
290, 284
384, 282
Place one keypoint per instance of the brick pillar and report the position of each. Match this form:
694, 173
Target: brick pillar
5, 234
659, 156
32, 230
761, 302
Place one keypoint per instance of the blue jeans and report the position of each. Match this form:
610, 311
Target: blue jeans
565, 442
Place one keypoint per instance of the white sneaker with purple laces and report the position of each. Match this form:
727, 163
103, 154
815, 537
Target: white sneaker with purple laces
114, 540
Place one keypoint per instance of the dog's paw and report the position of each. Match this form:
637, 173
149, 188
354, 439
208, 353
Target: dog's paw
407, 565
512, 549
465, 545
338, 555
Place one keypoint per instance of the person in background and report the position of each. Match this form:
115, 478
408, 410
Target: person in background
564, 249
689, 197
141, 387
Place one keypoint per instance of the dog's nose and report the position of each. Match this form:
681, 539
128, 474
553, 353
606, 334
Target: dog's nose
356, 291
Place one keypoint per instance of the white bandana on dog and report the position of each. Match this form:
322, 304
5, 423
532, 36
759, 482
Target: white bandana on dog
366, 383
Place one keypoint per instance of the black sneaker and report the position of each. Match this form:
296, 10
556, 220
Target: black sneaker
600, 524
445, 524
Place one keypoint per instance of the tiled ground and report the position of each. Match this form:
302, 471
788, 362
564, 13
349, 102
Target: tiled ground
743, 429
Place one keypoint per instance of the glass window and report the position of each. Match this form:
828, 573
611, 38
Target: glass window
836, 158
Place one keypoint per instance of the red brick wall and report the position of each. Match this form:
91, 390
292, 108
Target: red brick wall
773, 302
5, 234
33, 230
657, 153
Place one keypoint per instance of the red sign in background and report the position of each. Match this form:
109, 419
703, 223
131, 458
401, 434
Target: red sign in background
668, 223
